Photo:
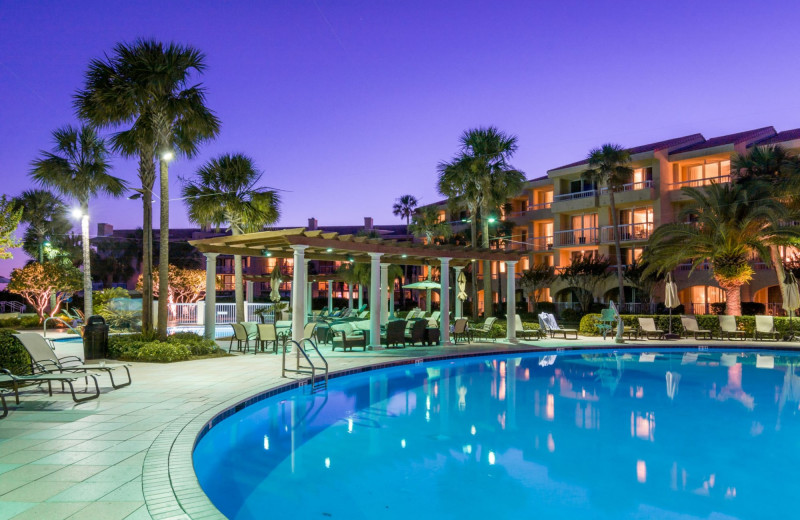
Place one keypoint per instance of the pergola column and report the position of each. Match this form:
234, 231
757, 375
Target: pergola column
458, 302
298, 292
511, 297
308, 292
360, 295
330, 295
210, 316
444, 301
384, 293
375, 302
350, 296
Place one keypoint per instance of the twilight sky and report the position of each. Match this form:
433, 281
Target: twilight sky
349, 104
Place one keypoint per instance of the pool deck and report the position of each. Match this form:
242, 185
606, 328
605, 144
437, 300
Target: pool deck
127, 454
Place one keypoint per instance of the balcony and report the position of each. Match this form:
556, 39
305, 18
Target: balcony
631, 186
695, 183
577, 237
576, 201
531, 208
542, 243
572, 196
627, 232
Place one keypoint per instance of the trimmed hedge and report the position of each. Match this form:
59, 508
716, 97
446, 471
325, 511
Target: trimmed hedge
499, 327
177, 347
13, 355
588, 326
25, 321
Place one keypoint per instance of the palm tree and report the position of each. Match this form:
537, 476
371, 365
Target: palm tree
725, 224
78, 168
404, 207
46, 217
609, 165
226, 192
426, 223
146, 85
481, 178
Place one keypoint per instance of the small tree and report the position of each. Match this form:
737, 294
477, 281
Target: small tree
37, 283
535, 279
185, 285
644, 282
9, 220
584, 275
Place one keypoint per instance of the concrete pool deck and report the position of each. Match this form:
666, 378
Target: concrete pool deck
127, 455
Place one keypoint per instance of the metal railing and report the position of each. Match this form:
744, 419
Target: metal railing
225, 313
542, 243
253, 312
310, 369
630, 186
12, 307
576, 237
575, 195
694, 183
627, 232
531, 207
182, 313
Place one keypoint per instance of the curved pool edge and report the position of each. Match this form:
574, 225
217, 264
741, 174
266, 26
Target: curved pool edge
169, 484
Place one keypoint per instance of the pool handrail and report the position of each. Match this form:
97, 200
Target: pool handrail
57, 318
303, 369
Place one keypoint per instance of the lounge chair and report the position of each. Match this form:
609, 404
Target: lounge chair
395, 334
690, 326
728, 329
46, 377
414, 331
411, 314
461, 330
606, 323
552, 326
520, 330
485, 330
433, 321
267, 333
647, 327
765, 327
44, 359
241, 337
346, 336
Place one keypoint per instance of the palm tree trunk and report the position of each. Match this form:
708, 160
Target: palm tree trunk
487, 270
733, 298
87, 268
147, 259
777, 261
473, 225
615, 223
163, 253
238, 282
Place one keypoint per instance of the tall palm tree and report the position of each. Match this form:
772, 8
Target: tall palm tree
426, 224
778, 168
78, 168
145, 84
46, 217
404, 207
609, 165
724, 224
226, 192
481, 178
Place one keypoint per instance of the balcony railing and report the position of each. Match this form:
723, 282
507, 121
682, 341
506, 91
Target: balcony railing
694, 183
577, 237
631, 186
542, 243
575, 195
541, 205
532, 207
628, 232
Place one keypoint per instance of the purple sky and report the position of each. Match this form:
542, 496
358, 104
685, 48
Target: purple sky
350, 104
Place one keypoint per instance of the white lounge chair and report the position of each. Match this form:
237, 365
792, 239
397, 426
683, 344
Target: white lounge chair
552, 326
765, 328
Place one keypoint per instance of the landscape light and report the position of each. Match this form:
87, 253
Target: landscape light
404, 256
77, 213
491, 220
329, 249
167, 155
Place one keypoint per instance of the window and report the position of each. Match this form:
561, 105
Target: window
631, 254
702, 174
641, 176
584, 221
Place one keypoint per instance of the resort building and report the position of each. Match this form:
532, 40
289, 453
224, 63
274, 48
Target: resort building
559, 216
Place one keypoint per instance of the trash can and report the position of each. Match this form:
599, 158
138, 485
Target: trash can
95, 338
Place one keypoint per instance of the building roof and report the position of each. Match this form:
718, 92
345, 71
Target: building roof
668, 144
780, 137
730, 139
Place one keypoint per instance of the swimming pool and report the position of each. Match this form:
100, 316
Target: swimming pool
581, 435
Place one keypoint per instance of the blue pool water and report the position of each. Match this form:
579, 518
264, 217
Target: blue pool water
629, 435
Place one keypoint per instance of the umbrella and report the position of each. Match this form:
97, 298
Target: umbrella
275, 284
3, 279
425, 284
620, 325
792, 301
671, 300
462, 285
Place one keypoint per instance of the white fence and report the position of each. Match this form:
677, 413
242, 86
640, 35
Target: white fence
194, 313
12, 307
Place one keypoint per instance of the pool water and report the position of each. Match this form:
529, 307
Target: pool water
600, 435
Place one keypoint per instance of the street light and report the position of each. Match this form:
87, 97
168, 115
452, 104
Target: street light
168, 155
77, 213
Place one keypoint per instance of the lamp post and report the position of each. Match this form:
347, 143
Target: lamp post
82, 214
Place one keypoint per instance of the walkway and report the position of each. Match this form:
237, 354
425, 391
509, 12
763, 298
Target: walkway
127, 455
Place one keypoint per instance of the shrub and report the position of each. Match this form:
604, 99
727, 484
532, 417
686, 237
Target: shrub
753, 308
13, 355
25, 321
163, 352
718, 308
570, 315
131, 347
198, 345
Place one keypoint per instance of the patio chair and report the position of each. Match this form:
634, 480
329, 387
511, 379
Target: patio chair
414, 331
606, 323
521, 332
647, 327
461, 330
267, 333
485, 330
44, 359
241, 337
728, 329
395, 334
345, 336
411, 314
690, 326
46, 377
765, 327
552, 326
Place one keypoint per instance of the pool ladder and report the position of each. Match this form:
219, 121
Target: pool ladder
310, 368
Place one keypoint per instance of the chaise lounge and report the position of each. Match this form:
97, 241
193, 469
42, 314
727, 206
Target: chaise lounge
690, 326
647, 327
765, 328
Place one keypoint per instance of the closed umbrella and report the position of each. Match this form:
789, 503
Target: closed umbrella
275, 283
792, 299
462, 286
671, 301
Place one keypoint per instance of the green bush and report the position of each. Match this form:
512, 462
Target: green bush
588, 326
130, 347
13, 355
163, 352
24, 321
198, 345
570, 315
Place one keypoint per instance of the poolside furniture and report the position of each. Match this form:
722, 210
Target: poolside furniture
485, 330
606, 323
765, 327
415, 331
433, 321
728, 330
267, 333
241, 337
46, 377
395, 334
647, 327
690, 326
44, 359
552, 326
346, 336
520, 330
461, 330
411, 314
432, 336
363, 315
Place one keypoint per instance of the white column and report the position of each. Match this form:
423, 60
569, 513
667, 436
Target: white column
249, 295
444, 301
384, 293
211, 296
458, 302
360, 295
298, 293
309, 293
350, 296
330, 295
511, 307
375, 302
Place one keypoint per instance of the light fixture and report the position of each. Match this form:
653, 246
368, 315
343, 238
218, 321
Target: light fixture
46, 243
77, 213
404, 256
491, 220
266, 252
329, 249
168, 155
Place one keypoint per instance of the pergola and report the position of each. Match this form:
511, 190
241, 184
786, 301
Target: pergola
305, 245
